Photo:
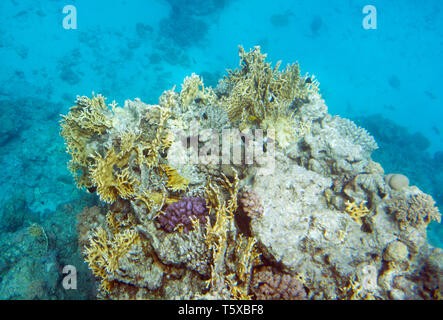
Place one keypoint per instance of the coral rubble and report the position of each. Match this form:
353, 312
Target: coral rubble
182, 221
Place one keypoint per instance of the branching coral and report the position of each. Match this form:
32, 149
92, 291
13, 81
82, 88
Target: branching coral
87, 118
103, 253
112, 176
175, 181
194, 89
417, 210
356, 134
247, 255
357, 212
216, 233
260, 91
356, 291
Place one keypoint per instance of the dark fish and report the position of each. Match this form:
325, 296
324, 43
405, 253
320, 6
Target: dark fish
430, 95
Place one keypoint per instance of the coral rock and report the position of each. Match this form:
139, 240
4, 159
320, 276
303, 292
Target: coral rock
396, 251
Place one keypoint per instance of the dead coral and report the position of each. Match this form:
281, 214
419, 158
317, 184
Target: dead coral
267, 284
416, 210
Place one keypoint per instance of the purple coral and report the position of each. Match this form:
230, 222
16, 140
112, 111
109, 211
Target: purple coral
181, 213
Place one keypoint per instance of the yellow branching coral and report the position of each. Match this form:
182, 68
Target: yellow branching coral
104, 251
152, 199
148, 150
260, 91
355, 291
237, 292
193, 88
112, 177
167, 140
247, 254
128, 140
175, 181
217, 233
190, 87
224, 210
357, 212
86, 118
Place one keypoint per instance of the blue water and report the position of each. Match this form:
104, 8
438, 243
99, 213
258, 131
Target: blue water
388, 80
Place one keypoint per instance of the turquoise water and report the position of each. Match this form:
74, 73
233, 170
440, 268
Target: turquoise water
387, 79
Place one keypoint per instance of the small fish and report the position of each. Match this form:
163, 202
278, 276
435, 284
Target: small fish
430, 95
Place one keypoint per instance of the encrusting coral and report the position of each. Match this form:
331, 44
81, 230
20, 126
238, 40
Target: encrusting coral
180, 223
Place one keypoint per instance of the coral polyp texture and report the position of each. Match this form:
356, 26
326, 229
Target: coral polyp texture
251, 205
270, 285
178, 221
183, 214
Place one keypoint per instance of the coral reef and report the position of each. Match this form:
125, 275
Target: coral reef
180, 222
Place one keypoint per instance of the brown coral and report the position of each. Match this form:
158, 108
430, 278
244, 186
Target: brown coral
89, 218
417, 210
268, 284
251, 204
